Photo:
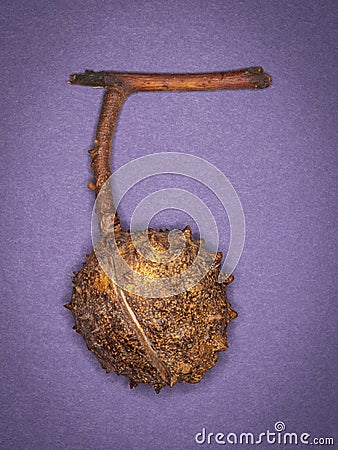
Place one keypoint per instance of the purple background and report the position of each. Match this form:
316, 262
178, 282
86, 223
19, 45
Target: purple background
277, 147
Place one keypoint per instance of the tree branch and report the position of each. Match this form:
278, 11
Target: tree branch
250, 78
119, 86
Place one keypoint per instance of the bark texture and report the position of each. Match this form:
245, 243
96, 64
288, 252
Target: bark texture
249, 78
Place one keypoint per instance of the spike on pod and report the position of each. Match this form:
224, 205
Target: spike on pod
187, 231
158, 388
133, 384
229, 279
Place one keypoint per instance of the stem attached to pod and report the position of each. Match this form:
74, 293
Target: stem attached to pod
119, 86
112, 103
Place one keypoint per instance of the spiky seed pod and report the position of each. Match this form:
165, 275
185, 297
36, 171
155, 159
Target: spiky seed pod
157, 341
175, 335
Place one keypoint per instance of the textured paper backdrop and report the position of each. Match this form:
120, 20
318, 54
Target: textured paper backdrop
277, 147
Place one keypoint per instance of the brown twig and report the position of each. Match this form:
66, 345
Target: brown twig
249, 78
112, 103
119, 86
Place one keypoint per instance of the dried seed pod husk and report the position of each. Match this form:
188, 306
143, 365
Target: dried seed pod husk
158, 341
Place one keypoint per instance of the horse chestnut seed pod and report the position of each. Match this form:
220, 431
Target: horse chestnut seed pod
176, 335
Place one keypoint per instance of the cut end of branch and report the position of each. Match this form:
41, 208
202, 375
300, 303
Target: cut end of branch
258, 78
88, 78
